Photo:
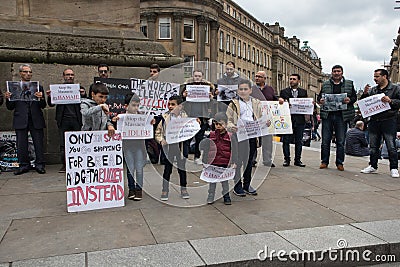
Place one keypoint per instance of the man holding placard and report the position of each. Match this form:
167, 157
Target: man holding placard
298, 121
383, 124
67, 99
227, 86
335, 120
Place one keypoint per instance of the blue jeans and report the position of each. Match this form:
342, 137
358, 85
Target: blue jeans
387, 130
134, 155
298, 143
334, 123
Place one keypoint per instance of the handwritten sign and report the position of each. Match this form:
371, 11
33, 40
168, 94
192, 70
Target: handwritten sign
227, 92
65, 93
135, 126
94, 170
281, 122
181, 129
248, 129
214, 174
372, 105
301, 106
198, 93
23, 91
334, 102
154, 95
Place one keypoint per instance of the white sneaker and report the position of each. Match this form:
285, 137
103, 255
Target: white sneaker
369, 169
198, 161
394, 173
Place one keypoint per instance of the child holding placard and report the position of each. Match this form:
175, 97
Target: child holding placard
220, 149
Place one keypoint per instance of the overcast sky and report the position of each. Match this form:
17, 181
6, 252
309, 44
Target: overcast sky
357, 34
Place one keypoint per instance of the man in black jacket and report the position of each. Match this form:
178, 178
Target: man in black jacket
298, 122
68, 116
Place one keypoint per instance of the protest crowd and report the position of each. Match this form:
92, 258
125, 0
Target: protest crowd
224, 125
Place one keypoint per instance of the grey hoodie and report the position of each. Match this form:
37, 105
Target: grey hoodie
93, 117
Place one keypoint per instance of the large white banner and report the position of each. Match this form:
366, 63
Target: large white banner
214, 174
135, 126
181, 129
198, 93
301, 106
372, 105
281, 122
94, 170
65, 93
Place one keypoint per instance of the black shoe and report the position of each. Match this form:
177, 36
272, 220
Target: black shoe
21, 171
272, 165
239, 192
131, 194
40, 170
250, 191
227, 200
286, 163
299, 163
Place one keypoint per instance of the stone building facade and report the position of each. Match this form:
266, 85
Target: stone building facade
220, 31
394, 64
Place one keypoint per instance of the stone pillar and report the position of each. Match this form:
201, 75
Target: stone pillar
201, 43
151, 26
177, 17
214, 26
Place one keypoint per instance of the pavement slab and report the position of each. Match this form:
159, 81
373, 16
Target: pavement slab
162, 255
74, 233
4, 224
279, 214
74, 260
171, 224
394, 193
361, 207
26, 185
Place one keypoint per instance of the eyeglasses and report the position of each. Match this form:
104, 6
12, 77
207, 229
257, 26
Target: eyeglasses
103, 71
26, 71
259, 76
243, 89
69, 74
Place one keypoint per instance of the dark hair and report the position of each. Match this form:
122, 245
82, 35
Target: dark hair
245, 82
383, 72
103, 65
221, 116
155, 66
100, 88
67, 69
131, 97
337, 67
198, 70
231, 62
178, 99
295, 74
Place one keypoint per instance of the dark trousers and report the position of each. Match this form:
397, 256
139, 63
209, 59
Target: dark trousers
247, 149
173, 152
200, 136
22, 146
67, 124
298, 143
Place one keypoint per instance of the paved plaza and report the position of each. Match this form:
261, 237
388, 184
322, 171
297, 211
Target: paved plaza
296, 210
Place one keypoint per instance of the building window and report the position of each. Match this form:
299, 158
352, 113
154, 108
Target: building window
239, 47
239, 70
207, 68
253, 55
240, 17
265, 59
188, 29
188, 66
143, 27
207, 29
228, 43
234, 13
258, 57
249, 24
228, 9
261, 58
244, 50
233, 45
254, 26
248, 52
244, 20
164, 28
221, 40
221, 69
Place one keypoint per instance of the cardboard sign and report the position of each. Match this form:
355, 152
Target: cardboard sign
334, 102
198, 93
227, 92
94, 170
372, 105
65, 93
181, 129
281, 122
301, 106
214, 174
23, 91
135, 126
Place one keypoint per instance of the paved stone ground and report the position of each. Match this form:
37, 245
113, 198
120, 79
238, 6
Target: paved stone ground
296, 209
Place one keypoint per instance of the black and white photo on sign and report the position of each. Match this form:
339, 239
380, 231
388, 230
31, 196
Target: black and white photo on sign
198, 93
334, 102
227, 92
23, 91
65, 93
301, 106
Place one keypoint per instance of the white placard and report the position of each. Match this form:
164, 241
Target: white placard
281, 122
372, 105
94, 170
198, 93
251, 129
181, 129
301, 106
214, 174
65, 93
135, 126
227, 92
